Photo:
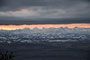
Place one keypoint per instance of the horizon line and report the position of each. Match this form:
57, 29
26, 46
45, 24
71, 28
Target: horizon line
40, 26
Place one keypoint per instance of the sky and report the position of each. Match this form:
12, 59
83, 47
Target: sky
18, 12
15, 27
44, 12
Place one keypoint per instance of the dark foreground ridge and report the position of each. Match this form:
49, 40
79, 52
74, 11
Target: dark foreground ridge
49, 51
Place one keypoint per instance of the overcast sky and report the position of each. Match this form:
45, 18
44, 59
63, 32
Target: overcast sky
44, 11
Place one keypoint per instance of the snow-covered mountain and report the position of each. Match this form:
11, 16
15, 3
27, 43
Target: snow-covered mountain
45, 34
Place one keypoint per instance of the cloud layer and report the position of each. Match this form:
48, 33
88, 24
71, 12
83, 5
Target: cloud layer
44, 11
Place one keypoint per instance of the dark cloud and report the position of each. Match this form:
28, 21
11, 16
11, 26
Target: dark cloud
18, 4
47, 11
46, 21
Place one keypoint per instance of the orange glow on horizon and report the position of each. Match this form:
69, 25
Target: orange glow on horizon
14, 27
